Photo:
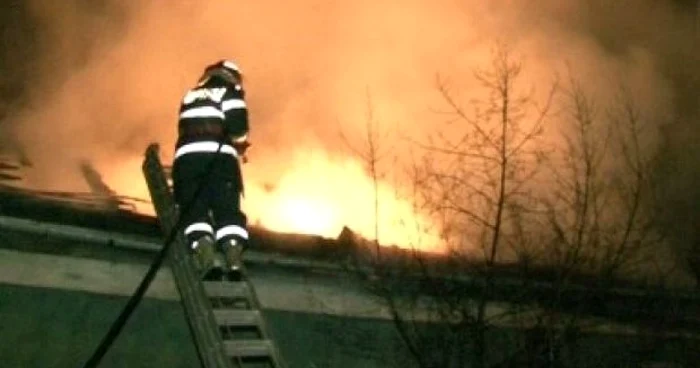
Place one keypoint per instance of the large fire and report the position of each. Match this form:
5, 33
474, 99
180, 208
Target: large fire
308, 64
316, 195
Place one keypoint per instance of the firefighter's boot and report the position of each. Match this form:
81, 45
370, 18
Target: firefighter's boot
233, 250
205, 255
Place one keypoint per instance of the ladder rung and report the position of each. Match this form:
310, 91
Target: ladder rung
248, 348
221, 289
237, 317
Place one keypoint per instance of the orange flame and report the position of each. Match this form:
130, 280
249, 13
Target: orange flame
319, 195
316, 195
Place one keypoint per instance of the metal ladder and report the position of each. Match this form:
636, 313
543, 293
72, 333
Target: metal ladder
224, 317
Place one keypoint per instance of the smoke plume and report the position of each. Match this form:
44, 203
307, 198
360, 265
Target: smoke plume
106, 78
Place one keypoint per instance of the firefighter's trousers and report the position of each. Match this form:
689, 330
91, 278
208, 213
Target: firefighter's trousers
208, 188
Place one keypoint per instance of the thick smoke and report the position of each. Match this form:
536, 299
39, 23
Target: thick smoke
108, 75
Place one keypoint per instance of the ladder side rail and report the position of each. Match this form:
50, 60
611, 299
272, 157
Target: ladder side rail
255, 304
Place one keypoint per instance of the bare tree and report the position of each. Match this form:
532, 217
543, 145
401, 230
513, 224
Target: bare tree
476, 178
600, 223
595, 217
372, 155
517, 211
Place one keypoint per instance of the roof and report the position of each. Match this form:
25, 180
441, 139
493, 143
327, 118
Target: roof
84, 216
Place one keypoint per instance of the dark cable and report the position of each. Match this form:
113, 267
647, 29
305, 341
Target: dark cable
136, 298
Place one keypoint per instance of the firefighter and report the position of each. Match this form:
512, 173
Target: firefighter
207, 181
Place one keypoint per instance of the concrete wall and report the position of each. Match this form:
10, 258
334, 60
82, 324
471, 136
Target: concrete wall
55, 308
44, 328
289, 289
57, 328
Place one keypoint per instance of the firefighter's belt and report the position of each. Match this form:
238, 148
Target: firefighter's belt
202, 129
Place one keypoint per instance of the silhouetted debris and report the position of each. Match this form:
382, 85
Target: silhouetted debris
79, 209
102, 192
9, 177
9, 170
7, 166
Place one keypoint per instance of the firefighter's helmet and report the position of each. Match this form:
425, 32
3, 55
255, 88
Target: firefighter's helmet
226, 69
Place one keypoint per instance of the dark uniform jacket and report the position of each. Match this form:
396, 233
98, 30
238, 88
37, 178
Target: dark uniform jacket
213, 112
213, 121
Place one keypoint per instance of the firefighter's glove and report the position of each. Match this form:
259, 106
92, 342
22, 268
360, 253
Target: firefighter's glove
241, 147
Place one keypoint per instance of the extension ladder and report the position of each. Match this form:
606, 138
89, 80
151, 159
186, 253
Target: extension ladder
224, 316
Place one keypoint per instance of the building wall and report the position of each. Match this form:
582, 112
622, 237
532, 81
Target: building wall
57, 328
44, 327
55, 308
